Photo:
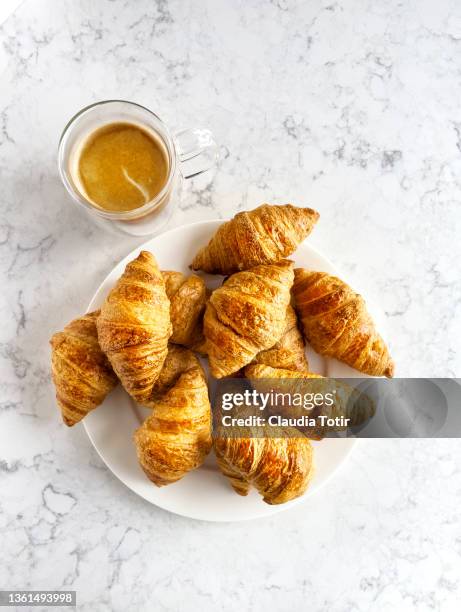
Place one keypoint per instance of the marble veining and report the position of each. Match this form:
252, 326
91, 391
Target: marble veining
351, 106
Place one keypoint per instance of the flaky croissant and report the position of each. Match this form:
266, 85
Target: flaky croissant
178, 360
81, 372
264, 235
336, 323
345, 401
246, 315
176, 438
279, 468
289, 351
134, 326
188, 296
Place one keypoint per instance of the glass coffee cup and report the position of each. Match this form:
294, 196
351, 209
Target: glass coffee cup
186, 154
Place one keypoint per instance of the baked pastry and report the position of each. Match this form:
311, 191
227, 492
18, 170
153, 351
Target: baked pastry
81, 372
264, 235
176, 438
188, 296
346, 401
246, 315
336, 323
178, 360
279, 468
289, 351
134, 326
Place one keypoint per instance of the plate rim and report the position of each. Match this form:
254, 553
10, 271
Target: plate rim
275, 509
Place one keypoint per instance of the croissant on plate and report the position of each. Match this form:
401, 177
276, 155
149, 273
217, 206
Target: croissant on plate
279, 468
264, 235
188, 296
134, 326
340, 399
178, 360
176, 438
289, 351
81, 372
246, 315
336, 323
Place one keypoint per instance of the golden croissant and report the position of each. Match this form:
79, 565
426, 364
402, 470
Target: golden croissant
81, 372
246, 315
264, 235
336, 323
289, 351
188, 296
178, 360
339, 398
279, 468
176, 438
134, 326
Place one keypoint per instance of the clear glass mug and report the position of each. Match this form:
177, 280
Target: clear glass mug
190, 152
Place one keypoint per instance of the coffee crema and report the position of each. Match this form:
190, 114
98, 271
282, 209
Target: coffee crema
122, 167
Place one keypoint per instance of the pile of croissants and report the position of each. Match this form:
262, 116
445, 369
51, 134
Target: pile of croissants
153, 324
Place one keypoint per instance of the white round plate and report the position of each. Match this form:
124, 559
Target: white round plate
203, 494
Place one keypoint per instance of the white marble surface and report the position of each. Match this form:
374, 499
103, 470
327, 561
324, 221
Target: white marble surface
350, 106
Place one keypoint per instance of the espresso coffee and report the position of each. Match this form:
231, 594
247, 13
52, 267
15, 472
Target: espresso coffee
122, 166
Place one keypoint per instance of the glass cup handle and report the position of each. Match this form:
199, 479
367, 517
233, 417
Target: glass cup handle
197, 151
